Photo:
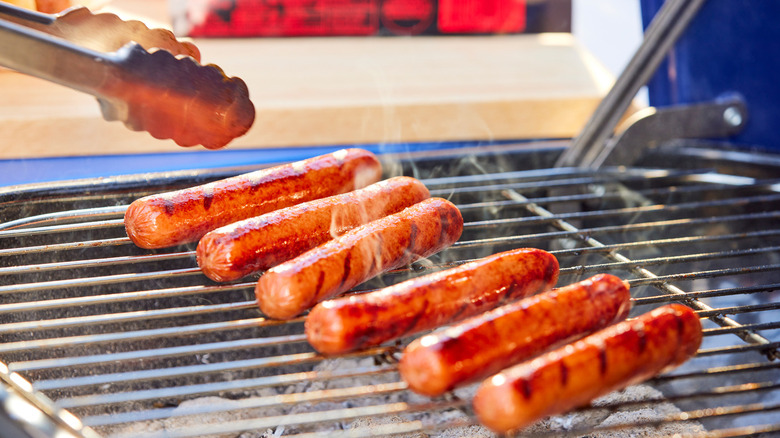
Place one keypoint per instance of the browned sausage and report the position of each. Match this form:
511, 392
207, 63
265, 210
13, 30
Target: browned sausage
485, 344
338, 265
258, 243
427, 302
182, 216
618, 356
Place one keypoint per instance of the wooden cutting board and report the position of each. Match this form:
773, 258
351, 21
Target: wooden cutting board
337, 91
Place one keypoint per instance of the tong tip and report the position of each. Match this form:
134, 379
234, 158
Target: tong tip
178, 98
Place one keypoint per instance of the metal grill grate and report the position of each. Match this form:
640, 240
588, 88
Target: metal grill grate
132, 341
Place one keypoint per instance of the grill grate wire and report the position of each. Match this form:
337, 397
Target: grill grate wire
118, 349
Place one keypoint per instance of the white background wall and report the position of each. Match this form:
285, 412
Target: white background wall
610, 29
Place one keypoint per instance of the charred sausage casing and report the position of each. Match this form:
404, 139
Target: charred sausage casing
349, 323
183, 216
571, 376
485, 344
258, 243
338, 265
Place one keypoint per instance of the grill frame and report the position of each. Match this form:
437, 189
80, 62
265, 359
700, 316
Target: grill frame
737, 170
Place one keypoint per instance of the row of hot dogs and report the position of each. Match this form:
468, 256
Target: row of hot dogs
320, 227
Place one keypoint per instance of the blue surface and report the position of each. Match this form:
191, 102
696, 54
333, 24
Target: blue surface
23, 171
731, 46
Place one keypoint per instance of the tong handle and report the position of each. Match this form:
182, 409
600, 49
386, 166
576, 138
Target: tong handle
46, 57
23, 16
103, 32
169, 97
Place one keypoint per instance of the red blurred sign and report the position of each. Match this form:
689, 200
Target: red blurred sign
354, 17
408, 17
477, 16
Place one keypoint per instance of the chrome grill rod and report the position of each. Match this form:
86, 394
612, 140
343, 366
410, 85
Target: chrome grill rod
219, 387
109, 298
767, 349
12, 228
119, 241
601, 214
194, 370
308, 418
273, 422
67, 228
250, 403
127, 241
113, 298
58, 217
581, 234
97, 281
260, 382
119, 210
94, 263
333, 395
110, 318
694, 415
211, 347
140, 355
62, 303
749, 337
581, 269
175, 331
742, 290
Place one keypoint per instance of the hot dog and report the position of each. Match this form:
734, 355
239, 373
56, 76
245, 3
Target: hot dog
182, 216
350, 323
615, 357
485, 344
258, 243
290, 288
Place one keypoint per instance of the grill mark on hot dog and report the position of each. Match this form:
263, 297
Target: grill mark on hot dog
446, 220
320, 282
524, 387
464, 307
550, 274
603, 359
208, 196
513, 287
345, 270
413, 236
642, 338
412, 323
564, 373
680, 324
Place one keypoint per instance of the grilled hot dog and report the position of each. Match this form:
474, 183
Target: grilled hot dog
182, 216
336, 266
258, 243
350, 323
618, 356
485, 344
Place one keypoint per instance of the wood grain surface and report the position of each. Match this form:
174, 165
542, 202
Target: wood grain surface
326, 91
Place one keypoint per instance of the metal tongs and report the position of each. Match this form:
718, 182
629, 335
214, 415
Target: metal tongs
592, 148
143, 77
